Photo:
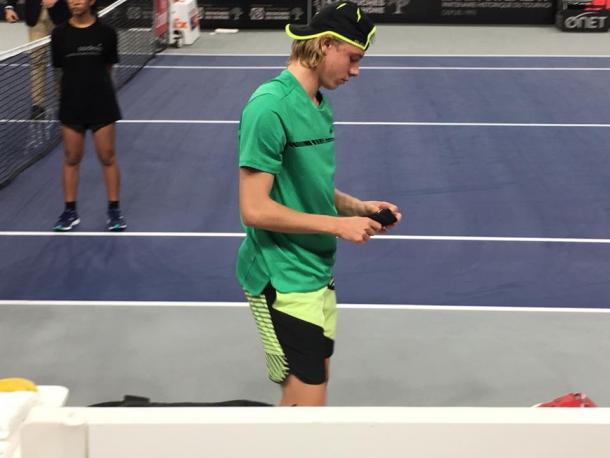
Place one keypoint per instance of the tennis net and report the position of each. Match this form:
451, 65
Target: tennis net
29, 85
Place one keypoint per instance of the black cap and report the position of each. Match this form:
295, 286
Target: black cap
343, 20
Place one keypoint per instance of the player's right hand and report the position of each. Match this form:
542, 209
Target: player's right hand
10, 15
357, 229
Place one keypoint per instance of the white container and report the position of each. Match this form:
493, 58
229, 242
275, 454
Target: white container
183, 22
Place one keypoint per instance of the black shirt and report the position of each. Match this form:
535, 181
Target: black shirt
87, 92
58, 13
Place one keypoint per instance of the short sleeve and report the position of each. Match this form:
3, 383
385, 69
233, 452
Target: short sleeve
57, 57
262, 138
111, 53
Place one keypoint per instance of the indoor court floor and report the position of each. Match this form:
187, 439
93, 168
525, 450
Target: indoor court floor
493, 291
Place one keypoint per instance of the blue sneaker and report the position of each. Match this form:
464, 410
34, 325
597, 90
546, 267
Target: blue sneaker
67, 220
116, 222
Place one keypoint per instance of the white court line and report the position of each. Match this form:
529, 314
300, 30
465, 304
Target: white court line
217, 67
266, 67
532, 56
177, 121
370, 123
436, 308
170, 54
338, 123
119, 234
463, 124
364, 67
439, 238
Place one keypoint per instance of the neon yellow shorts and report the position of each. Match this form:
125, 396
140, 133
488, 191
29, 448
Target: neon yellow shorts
298, 331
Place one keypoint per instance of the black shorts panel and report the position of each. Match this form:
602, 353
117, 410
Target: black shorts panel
82, 128
303, 344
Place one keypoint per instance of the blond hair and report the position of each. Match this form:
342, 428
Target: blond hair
309, 52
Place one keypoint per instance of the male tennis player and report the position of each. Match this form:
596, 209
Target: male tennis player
290, 206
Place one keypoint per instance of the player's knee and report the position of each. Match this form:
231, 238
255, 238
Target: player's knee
107, 158
72, 159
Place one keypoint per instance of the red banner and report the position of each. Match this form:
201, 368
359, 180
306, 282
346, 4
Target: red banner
161, 17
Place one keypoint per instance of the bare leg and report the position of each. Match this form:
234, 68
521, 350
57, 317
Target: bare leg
104, 139
297, 393
74, 145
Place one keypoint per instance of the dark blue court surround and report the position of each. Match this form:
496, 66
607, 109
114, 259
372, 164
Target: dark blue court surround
513, 96
383, 271
495, 181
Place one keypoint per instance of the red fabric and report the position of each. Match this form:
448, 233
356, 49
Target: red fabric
596, 5
570, 400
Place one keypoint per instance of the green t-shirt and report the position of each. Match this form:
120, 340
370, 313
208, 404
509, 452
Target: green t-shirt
284, 133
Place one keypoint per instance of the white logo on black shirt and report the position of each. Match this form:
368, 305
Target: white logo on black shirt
89, 50
97, 48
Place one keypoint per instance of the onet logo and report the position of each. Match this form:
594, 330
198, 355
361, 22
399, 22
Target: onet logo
586, 21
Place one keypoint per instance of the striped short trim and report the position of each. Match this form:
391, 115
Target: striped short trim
277, 364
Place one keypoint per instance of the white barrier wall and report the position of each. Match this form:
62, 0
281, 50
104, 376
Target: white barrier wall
335, 432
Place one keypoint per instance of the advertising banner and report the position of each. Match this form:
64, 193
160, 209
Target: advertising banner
457, 11
270, 14
131, 14
579, 21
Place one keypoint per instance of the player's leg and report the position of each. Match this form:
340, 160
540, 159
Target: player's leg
104, 138
294, 391
298, 336
74, 146
297, 393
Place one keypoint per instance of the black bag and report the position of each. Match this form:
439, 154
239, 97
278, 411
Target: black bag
139, 401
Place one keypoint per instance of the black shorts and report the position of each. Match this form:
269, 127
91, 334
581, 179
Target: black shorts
297, 330
82, 128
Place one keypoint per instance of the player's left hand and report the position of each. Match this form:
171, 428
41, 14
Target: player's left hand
373, 206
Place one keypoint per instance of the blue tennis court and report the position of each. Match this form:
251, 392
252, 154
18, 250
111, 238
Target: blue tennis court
498, 164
